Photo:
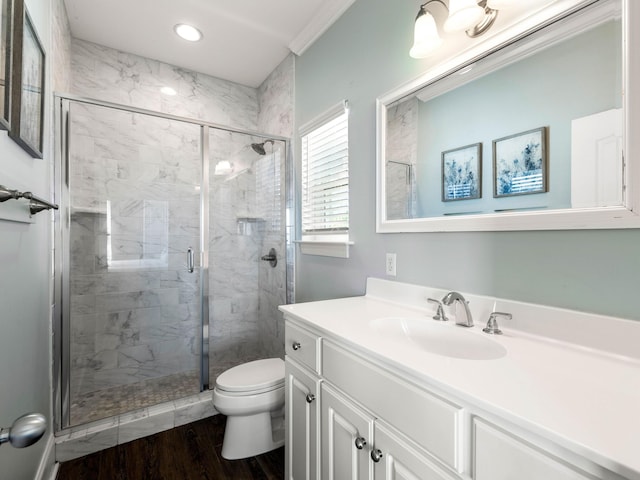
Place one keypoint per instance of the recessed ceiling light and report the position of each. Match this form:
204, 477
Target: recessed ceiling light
168, 91
188, 32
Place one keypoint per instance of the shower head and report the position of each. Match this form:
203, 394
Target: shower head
259, 147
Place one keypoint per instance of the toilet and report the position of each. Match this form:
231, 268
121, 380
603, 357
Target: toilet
251, 395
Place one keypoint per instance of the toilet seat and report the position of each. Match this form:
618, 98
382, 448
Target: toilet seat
252, 378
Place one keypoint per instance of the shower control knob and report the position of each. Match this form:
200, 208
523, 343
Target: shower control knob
296, 345
376, 455
310, 397
271, 257
360, 443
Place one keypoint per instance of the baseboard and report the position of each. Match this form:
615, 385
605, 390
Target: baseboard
48, 468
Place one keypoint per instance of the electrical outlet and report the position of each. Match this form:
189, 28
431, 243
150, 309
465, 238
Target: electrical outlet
390, 267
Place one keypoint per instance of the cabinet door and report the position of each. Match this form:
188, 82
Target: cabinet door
398, 460
301, 423
347, 433
500, 456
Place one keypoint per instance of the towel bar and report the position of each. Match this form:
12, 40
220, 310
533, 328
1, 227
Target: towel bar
36, 204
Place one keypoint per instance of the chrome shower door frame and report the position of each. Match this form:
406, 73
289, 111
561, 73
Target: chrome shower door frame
61, 314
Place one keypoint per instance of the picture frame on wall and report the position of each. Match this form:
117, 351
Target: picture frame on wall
5, 61
520, 163
462, 173
27, 83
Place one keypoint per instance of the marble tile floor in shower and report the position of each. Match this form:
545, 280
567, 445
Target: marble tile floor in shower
124, 398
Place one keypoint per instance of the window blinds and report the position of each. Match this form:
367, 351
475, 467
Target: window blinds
325, 178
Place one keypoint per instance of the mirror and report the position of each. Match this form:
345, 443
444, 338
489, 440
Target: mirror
528, 135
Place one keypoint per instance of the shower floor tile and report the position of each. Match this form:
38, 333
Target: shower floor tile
117, 400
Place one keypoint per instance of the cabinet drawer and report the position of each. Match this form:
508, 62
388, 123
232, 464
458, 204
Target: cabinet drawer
302, 417
501, 456
430, 421
303, 346
400, 460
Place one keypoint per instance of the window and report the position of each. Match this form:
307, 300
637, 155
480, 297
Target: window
325, 179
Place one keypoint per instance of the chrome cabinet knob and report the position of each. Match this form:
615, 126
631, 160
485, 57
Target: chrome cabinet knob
376, 455
296, 346
360, 443
310, 397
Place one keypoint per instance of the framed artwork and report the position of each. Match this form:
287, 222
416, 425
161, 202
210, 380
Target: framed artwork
5, 61
27, 83
462, 173
520, 163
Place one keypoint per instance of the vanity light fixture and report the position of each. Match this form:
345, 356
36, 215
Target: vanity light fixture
188, 32
475, 17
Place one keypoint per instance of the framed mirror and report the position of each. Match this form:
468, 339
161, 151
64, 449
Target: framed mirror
525, 133
5, 61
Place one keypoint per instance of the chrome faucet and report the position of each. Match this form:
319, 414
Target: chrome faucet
440, 315
450, 299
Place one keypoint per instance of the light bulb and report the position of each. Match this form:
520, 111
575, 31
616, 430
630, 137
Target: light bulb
463, 15
425, 35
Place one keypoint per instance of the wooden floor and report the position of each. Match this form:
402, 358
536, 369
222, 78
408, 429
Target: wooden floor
189, 452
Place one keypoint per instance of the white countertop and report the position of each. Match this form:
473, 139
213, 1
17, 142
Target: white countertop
584, 399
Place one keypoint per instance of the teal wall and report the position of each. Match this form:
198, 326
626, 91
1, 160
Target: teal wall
363, 56
25, 296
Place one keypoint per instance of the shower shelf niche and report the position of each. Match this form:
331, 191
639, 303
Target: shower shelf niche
247, 225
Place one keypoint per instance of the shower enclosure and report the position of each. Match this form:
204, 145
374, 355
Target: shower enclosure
160, 281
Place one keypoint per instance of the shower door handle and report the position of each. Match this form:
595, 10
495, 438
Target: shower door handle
190, 261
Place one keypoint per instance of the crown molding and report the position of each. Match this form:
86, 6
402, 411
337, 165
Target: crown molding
325, 17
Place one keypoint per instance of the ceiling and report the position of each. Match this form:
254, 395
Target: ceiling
244, 40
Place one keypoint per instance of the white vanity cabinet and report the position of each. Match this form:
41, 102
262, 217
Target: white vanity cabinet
400, 460
347, 434
302, 414
358, 446
502, 456
301, 422
353, 413
332, 436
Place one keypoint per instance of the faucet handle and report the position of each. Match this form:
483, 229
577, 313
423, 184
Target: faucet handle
440, 315
492, 324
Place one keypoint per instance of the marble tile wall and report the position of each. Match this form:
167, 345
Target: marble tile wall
402, 151
134, 212
241, 204
271, 184
114, 76
61, 48
275, 116
133, 325
234, 248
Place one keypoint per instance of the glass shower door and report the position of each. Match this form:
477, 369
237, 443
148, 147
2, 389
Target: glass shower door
133, 240
246, 220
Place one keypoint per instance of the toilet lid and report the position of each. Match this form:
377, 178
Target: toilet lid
256, 375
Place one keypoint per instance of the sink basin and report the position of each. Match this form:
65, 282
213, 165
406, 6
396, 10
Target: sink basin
441, 338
